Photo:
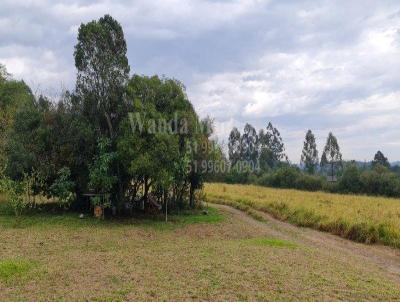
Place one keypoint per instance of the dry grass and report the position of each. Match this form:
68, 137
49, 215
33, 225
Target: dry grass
360, 218
218, 258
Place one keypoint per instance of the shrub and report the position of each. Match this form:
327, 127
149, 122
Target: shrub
380, 181
14, 192
63, 187
309, 183
238, 176
350, 182
264, 180
285, 177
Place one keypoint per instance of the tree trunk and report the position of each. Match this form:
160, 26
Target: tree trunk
191, 196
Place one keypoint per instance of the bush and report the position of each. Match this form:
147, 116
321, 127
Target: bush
350, 182
239, 174
380, 181
63, 187
285, 177
309, 183
14, 192
264, 180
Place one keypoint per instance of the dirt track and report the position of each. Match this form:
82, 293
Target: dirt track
384, 258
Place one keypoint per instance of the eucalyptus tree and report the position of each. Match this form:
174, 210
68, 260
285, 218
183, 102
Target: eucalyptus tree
331, 156
249, 143
272, 148
309, 155
235, 146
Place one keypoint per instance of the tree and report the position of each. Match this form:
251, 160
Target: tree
380, 159
14, 96
331, 155
58, 140
103, 73
272, 148
103, 70
234, 146
249, 143
309, 155
3, 74
159, 146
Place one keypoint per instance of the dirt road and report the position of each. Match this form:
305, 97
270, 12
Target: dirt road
384, 258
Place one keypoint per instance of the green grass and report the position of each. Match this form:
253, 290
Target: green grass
12, 269
72, 220
178, 220
270, 242
193, 257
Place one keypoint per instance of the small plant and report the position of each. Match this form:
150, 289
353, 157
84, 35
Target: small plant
14, 192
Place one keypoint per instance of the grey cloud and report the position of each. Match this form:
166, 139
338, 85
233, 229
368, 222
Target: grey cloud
295, 63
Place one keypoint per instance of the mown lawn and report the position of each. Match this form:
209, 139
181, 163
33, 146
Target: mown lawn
359, 218
194, 257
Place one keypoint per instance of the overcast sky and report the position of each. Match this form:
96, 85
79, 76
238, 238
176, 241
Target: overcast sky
320, 65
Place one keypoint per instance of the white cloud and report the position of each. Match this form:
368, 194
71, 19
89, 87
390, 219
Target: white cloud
372, 105
348, 89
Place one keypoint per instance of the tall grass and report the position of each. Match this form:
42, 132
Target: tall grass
359, 218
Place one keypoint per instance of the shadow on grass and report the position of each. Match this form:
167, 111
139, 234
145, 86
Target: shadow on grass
37, 218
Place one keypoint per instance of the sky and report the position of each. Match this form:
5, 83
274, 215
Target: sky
319, 65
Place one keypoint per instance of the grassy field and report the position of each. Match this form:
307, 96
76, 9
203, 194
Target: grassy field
194, 257
359, 218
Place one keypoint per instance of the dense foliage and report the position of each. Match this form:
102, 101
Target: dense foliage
119, 139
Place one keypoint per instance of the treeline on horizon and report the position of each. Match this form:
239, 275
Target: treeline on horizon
84, 143
260, 158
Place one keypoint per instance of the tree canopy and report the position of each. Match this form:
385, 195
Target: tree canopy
331, 156
309, 155
380, 159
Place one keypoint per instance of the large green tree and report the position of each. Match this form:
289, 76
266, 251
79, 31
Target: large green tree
159, 146
103, 71
309, 155
14, 96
